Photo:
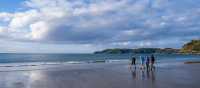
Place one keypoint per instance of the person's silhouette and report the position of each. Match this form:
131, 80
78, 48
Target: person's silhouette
147, 62
152, 62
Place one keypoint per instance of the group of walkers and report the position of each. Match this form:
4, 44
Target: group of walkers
146, 61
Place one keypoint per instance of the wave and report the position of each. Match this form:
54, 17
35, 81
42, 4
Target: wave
9, 67
34, 64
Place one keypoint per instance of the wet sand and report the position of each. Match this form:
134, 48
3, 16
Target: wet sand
104, 75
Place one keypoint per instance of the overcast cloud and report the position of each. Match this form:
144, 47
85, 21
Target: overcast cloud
103, 23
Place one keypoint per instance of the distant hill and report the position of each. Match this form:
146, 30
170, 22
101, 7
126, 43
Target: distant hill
114, 51
139, 50
191, 47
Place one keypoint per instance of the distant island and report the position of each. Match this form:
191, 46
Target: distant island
193, 47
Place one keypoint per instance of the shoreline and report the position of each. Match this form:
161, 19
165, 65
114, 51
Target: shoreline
9, 67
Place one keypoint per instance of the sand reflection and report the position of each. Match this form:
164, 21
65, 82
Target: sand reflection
35, 76
21, 79
143, 74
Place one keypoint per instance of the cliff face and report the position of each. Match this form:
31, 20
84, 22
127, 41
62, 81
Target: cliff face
191, 47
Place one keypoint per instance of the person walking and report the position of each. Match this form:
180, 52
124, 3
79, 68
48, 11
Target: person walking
152, 61
133, 62
147, 62
142, 62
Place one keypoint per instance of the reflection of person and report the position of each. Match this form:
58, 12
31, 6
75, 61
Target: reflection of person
133, 73
153, 76
152, 61
143, 75
147, 72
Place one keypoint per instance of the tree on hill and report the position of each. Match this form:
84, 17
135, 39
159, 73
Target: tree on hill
191, 47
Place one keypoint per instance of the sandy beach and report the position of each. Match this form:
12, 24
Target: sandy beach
103, 75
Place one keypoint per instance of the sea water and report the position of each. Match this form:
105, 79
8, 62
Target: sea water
11, 61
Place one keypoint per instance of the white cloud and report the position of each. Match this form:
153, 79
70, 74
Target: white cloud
119, 22
2, 30
5, 16
38, 30
23, 19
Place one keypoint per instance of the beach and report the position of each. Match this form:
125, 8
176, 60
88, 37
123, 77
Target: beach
103, 75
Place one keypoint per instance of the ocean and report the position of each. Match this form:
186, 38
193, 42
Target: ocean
9, 62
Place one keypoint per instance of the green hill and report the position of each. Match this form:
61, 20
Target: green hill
139, 50
191, 47
114, 51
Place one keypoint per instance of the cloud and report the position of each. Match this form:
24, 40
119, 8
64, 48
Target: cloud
23, 19
38, 30
5, 16
117, 23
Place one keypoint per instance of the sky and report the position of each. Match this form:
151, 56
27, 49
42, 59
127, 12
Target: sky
85, 26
